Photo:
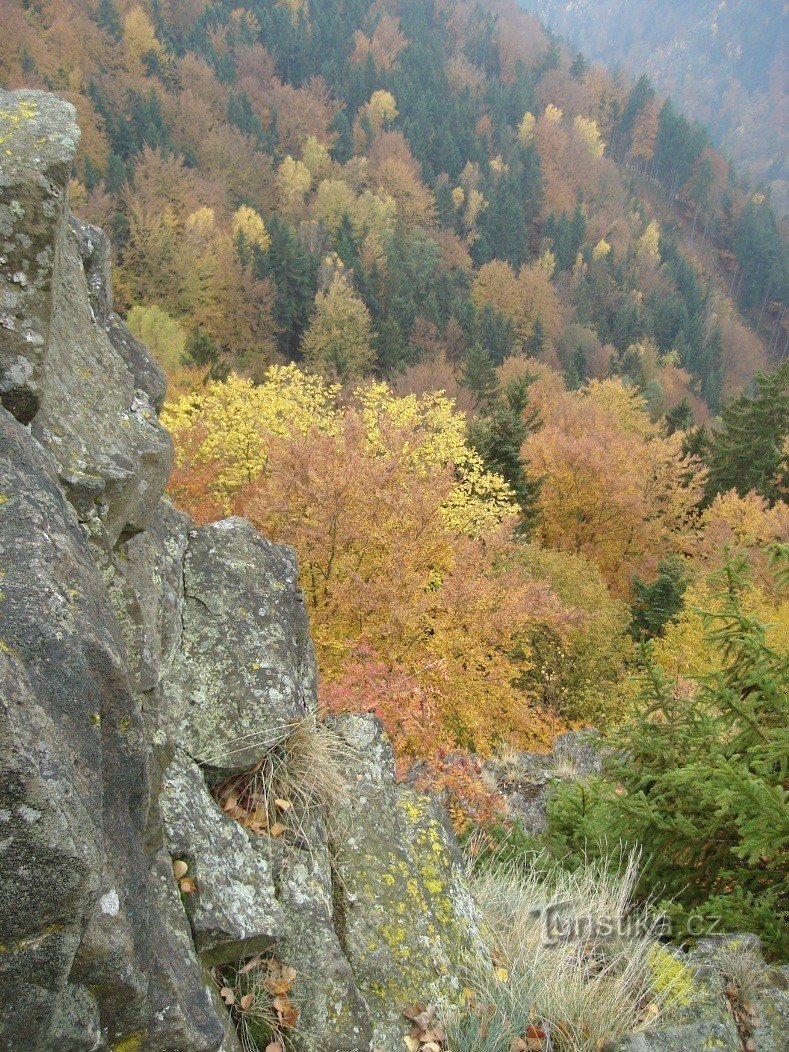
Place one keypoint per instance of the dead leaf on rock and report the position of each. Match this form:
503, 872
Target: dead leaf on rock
287, 1013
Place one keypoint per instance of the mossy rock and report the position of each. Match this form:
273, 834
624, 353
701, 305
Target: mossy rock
404, 912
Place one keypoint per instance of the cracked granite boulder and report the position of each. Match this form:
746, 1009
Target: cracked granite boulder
234, 912
333, 1015
38, 139
245, 671
403, 908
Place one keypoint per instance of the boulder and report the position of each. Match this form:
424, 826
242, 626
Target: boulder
403, 909
706, 1018
333, 1016
94, 249
246, 668
76, 903
59, 370
526, 780
38, 140
233, 913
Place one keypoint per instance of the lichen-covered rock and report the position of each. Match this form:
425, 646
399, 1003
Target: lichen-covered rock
718, 960
145, 579
246, 668
114, 458
94, 249
333, 1016
38, 140
76, 904
59, 370
705, 1018
136, 651
526, 780
233, 913
405, 915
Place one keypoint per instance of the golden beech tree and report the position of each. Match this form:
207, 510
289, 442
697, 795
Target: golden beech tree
338, 342
420, 608
525, 297
139, 38
645, 132
614, 488
294, 179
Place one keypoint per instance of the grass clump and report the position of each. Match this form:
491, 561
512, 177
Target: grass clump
574, 960
257, 994
297, 780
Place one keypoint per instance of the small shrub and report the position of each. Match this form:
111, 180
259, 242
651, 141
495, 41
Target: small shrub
699, 780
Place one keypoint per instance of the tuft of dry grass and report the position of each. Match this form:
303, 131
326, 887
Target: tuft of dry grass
742, 971
573, 959
257, 995
297, 780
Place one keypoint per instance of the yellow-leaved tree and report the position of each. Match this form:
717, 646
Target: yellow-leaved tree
420, 609
338, 342
616, 489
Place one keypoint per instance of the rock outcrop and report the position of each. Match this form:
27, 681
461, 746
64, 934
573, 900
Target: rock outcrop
143, 660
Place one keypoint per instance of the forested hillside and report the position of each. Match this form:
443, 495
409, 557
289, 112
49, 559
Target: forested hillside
724, 65
437, 174
490, 336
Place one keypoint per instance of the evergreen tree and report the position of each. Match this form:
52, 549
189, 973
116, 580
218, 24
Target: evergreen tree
761, 252
654, 605
479, 374
579, 66
679, 418
750, 450
535, 344
697, 781
696, 443
498, 437
107, 17
203, 352
295, 274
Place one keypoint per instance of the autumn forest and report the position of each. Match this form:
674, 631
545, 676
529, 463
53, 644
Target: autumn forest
496, 340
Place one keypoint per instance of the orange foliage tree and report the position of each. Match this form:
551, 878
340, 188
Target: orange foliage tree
420, 611
615, 488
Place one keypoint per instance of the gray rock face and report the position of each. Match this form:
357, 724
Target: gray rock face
233, 912
246, 668
333, 1015
59, 370
114, 458
525, 780
406, 916
38, 139
707, 1020
76, 906
94, 249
